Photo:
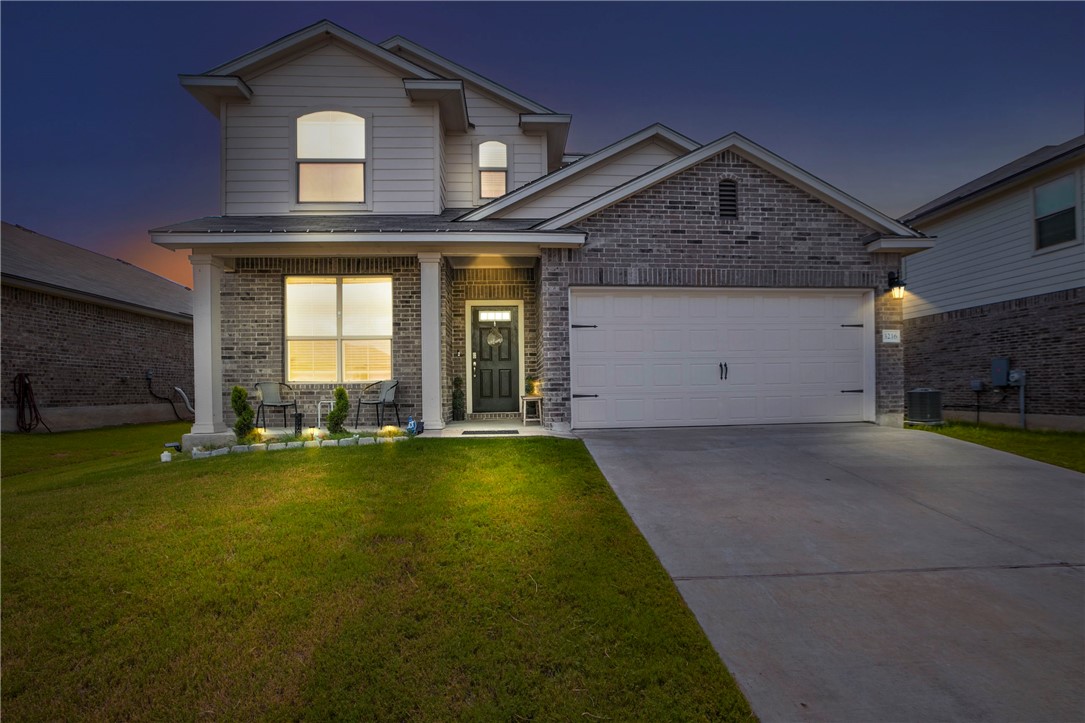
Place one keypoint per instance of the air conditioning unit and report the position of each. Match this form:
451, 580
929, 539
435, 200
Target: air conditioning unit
924, 406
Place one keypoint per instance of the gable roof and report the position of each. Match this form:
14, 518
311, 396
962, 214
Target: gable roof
1012, 171
449, 68
224, 81
323, 28
656, 131
755, 154
39, 262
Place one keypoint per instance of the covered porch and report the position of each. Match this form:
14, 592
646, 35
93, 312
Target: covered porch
464, 330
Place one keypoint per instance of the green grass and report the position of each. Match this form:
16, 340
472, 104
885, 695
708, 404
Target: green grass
439, 579
1065, 449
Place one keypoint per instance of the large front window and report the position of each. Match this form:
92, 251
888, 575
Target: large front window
338, 329
331, 158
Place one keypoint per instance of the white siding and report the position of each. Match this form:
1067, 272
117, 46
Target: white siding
985, 254
492, 121
259, 158
589, 184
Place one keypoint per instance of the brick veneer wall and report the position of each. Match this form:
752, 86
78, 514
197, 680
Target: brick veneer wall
1044, 335
253, 333
80, 354
517, 284
671, 234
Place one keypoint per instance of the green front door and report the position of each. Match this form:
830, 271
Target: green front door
495, 363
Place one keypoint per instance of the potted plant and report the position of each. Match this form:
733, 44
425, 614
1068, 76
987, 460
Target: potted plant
459, 401
338, 415
243, 426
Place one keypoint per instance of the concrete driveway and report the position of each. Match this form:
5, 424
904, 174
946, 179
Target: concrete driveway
861, 573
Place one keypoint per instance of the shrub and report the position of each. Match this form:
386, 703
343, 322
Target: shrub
239, 400
338, 415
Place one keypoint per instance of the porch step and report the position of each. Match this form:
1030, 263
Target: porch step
492, 416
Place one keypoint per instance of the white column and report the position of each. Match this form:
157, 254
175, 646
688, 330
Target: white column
207, 343
431, 339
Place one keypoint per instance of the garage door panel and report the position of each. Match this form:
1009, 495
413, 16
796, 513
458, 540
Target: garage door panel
654, 358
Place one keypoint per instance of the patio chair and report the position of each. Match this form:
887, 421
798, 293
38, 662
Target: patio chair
271, 395
380, 395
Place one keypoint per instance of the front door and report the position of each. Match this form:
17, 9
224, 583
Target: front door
495, 363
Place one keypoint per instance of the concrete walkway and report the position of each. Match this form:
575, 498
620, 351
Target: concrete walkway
861, 573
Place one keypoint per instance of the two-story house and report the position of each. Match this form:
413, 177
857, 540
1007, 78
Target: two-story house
1005, 282
387, 213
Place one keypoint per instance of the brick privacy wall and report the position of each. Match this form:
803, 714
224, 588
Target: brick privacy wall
1044, 335
253, 340
671, 234
82, 354
492, 284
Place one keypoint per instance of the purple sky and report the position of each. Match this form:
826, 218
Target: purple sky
895, 103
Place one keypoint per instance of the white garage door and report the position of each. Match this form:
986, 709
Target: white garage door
663, 358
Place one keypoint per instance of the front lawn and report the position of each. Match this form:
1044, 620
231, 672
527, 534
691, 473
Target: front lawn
436, 579
1065, 449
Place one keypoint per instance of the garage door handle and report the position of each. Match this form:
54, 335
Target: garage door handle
581, 396
585, 326
851, 391
723, 370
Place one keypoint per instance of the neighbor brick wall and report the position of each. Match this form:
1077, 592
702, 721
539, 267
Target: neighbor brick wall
1044, 335
252, 328
671, 235
81, 354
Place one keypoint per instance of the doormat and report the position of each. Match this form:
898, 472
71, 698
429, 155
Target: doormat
490, 431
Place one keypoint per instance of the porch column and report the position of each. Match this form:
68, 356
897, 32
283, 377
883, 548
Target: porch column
431, 339
207, 343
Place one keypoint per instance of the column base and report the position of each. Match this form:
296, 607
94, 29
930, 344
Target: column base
217, 439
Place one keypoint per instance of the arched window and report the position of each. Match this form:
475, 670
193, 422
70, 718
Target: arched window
728, 199
493, 169
331, 158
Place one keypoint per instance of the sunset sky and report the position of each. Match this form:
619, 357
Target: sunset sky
895, 103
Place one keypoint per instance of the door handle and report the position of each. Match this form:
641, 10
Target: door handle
723, 370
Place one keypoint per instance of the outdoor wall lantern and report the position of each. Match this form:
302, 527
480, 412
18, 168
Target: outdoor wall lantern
896, 285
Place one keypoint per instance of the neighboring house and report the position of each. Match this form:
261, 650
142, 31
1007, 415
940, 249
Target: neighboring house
1006, 279
86, 328
389, 213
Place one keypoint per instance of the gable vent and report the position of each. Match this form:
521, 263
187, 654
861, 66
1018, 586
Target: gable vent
728, 199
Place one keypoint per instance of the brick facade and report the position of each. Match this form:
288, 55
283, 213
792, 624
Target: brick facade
253, 339
671, 234
81, 355
1044, 335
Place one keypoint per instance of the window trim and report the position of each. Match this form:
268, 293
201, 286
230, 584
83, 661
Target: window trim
339, 337
1077, 210
367, 171
478, 169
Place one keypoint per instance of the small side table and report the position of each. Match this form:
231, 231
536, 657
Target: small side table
320, 409
535, 399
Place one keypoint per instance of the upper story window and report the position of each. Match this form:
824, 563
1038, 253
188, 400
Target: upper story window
728, 198
1056, 212
338, 329
493, 169
331, 158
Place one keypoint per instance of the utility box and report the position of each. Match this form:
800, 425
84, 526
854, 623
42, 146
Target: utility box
923, 406
1000, 371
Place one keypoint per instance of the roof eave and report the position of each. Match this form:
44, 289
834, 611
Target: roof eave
97, 299
450, 99
543, 239
212, 90
556, 128
902, 246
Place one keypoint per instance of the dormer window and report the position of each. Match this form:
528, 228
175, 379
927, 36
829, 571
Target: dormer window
493, 169
331, 158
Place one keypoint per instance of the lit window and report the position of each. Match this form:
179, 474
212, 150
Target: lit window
331, 158
493, 169
1055, 212
338, 329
